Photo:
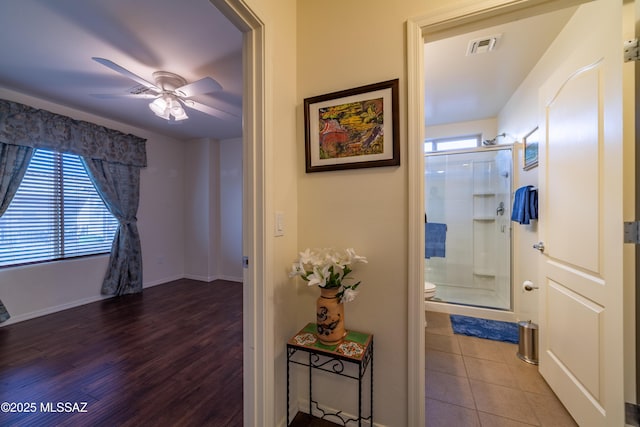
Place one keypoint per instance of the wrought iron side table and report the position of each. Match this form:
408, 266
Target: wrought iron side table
356, 348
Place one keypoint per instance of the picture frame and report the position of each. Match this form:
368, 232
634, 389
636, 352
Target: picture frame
531, 142
353, 128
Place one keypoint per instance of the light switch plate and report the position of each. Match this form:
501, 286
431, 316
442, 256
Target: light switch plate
279, 224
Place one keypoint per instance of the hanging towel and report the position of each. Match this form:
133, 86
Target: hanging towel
533, 203
435, 236
521, 205
525, 205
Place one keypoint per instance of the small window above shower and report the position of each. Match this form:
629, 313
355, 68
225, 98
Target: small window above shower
452, 143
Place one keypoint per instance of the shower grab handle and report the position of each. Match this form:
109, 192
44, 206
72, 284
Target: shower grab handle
539, 246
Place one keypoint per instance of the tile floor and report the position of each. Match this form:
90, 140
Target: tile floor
476, 382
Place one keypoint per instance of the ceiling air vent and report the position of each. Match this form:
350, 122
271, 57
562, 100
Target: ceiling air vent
483, 45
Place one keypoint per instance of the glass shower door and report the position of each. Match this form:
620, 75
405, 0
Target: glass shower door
468, 230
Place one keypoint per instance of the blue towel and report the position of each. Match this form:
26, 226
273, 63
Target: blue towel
525, 205
435, 236
533, 203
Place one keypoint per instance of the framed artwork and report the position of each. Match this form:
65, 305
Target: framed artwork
531, 149
354, 128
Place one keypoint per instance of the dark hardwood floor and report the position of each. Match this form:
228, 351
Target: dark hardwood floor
305, 420
171, 356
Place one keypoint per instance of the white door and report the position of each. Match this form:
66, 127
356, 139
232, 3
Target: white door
581, 220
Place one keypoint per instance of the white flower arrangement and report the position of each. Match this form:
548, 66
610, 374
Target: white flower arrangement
328, 268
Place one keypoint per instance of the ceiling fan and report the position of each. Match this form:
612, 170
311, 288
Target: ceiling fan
170, 92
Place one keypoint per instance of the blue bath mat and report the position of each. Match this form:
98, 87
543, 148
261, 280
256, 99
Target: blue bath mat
484, 328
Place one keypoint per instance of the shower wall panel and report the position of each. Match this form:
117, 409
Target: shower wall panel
470, 192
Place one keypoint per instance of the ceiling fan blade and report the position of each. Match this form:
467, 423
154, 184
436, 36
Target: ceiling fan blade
115, 67
123, 95
212, 111
202, 86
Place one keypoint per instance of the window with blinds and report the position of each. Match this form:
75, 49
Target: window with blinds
55, 214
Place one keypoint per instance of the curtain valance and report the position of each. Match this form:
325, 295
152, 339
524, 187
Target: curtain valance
31, 127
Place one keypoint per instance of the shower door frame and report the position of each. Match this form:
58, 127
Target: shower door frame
474, 150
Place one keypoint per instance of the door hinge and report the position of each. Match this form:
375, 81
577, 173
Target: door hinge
245, 262
632, 232
631, 51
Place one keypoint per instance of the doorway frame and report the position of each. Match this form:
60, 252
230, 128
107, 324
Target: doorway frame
257, 319
449, 21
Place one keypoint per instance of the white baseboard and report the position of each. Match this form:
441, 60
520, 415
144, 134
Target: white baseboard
72, 304
162, 281
200, 278
212, 278
54, 309
231, 278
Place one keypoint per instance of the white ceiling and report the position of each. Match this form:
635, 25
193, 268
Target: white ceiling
46, 48
462, 88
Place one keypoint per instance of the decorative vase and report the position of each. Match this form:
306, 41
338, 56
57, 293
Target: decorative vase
330, 317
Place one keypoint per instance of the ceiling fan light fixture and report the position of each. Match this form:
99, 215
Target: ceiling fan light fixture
168, 106
159, 107
176, 110
165, 115
178, 113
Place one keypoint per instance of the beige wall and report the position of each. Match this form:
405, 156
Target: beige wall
487, 128
213, 209
201, 219
343, 45
229, 242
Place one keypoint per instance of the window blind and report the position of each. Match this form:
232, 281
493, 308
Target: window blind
55, 214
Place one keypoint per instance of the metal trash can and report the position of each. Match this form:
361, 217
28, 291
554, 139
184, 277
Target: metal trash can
528, 342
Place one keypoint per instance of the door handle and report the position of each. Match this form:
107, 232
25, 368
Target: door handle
539, 246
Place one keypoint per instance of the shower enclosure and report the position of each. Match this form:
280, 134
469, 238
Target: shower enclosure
468, 229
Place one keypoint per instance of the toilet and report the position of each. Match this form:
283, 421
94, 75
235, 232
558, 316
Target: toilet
429, 290
429, 293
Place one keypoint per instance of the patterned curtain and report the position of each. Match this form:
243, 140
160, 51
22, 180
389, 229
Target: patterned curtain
14, 161
119, 188
113, 161
24, 125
